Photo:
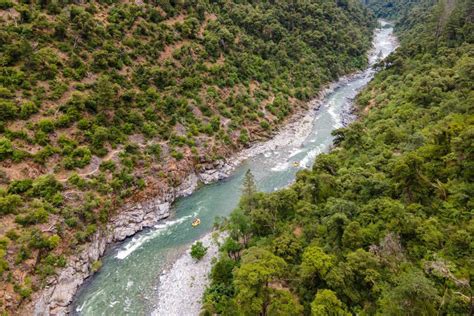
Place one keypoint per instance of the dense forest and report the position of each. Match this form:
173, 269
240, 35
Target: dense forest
106, 102
383, 224
395, 9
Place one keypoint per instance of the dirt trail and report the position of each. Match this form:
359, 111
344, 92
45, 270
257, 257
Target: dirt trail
93, 166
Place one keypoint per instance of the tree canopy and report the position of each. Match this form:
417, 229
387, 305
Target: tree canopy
383, 224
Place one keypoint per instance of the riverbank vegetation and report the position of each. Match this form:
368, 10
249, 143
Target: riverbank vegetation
108, 102
198, 251
382, 225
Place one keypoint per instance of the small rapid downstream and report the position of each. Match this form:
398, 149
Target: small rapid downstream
151, 273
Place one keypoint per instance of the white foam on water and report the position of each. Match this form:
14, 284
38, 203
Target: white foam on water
112, 304
309, 158
328, 104
80, 307
336, 118
280, 167
295, 152
90, 302
160, 229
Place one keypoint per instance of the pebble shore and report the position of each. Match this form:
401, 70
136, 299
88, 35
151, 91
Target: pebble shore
181, 288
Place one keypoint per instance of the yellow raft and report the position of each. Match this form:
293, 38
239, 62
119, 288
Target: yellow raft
196, 222
296, 164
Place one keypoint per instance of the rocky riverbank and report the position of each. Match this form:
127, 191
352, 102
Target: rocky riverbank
192, 282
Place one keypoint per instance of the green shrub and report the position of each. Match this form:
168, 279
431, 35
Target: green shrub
265, 125
46, 186
154, 150
3, 262
39, 240
244, 136
8, 110
41, 138
10, 204
177, 155
20, 186
6, 4
198, 251
24, 290
46, 125
4, 242
6, 148
76, 180
79, 158
27, 109
37, 216
96, 265
85, 235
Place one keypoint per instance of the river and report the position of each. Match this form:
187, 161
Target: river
148, 273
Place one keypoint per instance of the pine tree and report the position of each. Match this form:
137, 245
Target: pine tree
249, 188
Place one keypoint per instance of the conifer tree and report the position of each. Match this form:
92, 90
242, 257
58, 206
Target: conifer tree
249, 188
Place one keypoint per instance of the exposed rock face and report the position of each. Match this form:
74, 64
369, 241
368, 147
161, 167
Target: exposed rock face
55, 298
219, 171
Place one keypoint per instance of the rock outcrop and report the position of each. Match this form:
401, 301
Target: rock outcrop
130, 219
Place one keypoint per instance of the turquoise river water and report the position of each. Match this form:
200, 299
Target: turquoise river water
128, 281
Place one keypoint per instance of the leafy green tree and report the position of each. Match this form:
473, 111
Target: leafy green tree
414, 294
326, 303
284, 303
288, 247
252, 279
232, 248
105, 93
315, 263
222, 271
353, 237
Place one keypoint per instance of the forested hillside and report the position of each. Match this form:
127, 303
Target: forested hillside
384, 223
103, 102
394, 9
